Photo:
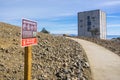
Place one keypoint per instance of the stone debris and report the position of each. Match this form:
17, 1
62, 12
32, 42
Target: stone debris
54, 58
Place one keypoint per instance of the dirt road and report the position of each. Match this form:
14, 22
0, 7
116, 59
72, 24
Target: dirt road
105, 65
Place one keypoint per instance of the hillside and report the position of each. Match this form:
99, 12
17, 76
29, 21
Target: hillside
54, 58
112, 45
103, 62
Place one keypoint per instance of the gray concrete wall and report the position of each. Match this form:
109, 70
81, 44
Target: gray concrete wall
89, 20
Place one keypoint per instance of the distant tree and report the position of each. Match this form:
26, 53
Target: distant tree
94, 32
45, 31
66, 35
118, 38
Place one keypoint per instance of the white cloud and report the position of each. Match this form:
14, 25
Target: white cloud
114, 25
111, 3
65, 32
110, 16
50, 12
49, 8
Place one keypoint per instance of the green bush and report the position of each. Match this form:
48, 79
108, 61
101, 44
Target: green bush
45, 31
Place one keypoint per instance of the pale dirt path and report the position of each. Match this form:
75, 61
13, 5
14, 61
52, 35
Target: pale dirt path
105, 65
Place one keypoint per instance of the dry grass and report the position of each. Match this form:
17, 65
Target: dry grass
112, 45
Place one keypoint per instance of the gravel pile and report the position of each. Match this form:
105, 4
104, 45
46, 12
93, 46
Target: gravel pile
54, 58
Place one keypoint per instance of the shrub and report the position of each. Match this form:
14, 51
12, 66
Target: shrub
45, 31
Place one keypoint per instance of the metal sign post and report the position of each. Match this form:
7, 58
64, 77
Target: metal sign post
29, 31
27, 63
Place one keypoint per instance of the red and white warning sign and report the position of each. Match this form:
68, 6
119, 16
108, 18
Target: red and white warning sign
29, 32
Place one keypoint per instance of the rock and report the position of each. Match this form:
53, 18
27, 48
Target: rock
7, 51
86, 65
65, 65
3, 49
82, 78
58, 75
2, 68
38, 36
47, 49
14, 72
18, 34
54, 58
14, 39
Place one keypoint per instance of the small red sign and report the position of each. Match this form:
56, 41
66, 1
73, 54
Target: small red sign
27, 42
29, 32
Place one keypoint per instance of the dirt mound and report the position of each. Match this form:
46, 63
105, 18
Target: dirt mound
54, 58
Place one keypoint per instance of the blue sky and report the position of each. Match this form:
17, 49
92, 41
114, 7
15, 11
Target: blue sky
59, 16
